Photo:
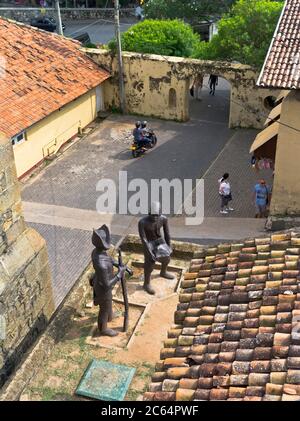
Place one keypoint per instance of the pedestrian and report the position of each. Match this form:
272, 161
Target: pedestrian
213, 81
225, 194
139, 13
192, 91
261, 197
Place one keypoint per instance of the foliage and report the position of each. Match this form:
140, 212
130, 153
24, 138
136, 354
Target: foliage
168, 37
190, 10
244, 34
90, 45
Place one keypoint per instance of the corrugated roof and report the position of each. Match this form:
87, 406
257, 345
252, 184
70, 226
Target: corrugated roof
237, 333
40, 73
282, 65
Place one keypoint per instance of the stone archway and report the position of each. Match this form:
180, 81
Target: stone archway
149, 79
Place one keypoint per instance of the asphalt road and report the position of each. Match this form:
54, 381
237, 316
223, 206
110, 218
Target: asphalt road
100, 31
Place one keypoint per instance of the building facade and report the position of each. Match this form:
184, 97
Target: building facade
280, 140
50, 91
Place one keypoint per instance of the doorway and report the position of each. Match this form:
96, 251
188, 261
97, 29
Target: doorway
207, 107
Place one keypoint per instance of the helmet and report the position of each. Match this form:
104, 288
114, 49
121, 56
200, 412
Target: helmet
144, 124
138, 124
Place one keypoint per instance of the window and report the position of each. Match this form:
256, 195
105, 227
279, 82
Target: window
19, 138
172, 98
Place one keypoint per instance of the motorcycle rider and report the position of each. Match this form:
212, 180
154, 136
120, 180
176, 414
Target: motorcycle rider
140, 133
137, 132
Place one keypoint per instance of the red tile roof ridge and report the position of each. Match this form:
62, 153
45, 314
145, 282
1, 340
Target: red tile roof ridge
234, 337
34, 28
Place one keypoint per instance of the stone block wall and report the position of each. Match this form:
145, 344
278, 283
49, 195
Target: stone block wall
26, 300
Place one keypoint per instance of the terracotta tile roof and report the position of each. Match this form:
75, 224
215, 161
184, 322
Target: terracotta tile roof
282, 65
43, 72
235, 336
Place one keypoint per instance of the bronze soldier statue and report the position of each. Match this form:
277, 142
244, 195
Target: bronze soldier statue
156, 247
104, 279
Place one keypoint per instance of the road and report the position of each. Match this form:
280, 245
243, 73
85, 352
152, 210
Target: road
100, 31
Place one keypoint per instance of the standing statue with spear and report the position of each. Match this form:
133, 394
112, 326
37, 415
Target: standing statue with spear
104, 280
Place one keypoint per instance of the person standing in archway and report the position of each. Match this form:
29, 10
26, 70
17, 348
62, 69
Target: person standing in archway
213, 82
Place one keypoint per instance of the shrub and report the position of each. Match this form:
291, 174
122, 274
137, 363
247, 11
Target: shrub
166, 37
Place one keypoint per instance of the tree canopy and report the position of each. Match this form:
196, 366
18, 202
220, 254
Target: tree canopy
244, 34
190, 10
166, 37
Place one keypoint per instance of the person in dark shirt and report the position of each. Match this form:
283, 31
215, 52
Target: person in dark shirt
213, 81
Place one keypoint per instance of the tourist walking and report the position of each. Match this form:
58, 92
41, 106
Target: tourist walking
225, 194
213, 81
261, 197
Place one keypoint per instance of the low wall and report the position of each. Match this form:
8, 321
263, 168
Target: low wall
158, 86
25, 14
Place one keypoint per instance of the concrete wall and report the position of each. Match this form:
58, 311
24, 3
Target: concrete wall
47, 136
149, 79
25, 14
26, 301
286, 191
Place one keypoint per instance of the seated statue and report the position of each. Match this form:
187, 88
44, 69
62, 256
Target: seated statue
157, 248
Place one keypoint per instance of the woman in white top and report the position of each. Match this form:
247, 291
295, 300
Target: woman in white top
225, 194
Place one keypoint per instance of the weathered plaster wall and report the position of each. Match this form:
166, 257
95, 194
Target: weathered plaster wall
149, 79
286, 190
26, 301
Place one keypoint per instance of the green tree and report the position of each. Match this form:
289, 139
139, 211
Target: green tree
190, 10
167, 37
244, 34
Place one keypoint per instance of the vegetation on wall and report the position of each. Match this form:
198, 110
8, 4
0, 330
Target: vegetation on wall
244, 34
164, 37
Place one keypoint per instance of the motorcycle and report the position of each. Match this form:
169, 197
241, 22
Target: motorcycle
139, 148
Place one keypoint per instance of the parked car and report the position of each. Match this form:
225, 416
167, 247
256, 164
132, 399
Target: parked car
46, 23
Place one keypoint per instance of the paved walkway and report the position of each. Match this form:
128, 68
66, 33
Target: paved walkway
212, 228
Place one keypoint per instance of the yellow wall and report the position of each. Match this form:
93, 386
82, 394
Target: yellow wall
286, 191
149, 78
49, 134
